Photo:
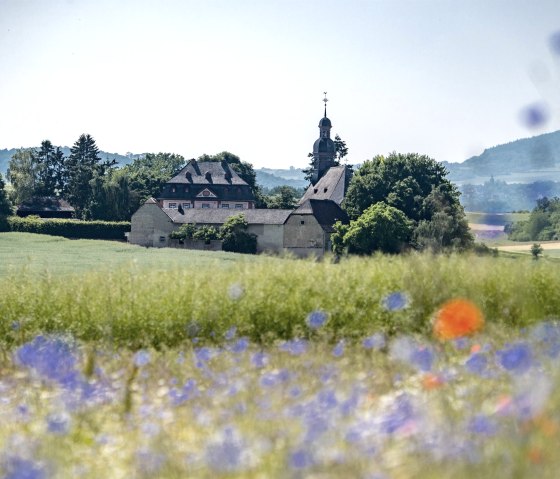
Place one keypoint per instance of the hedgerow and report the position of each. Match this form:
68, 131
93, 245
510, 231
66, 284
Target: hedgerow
70, 228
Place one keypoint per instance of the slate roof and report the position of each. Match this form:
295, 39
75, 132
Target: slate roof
219, 216
207, 173
331, 186
45, 204
327, 213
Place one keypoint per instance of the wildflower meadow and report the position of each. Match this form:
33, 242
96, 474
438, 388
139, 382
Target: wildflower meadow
390, 367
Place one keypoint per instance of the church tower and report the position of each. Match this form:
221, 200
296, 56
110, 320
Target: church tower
324, 151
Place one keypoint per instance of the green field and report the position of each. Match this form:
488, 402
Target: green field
38, 254
138, 297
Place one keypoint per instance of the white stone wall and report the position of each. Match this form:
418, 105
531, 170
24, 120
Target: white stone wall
150, 227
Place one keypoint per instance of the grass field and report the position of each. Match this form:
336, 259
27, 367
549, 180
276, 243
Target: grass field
38, 254
118, 361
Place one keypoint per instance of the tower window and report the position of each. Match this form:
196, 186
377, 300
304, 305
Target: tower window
302, 222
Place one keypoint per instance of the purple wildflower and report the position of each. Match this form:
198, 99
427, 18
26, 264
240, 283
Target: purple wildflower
338, 350
555, 43
301, 459
535, 115
141, 358
482, 425
476, 364
230, 333
240, 345
296, 347
58, 424
259, 359
316, 319
226, 453
395, 301
375, 341
19, 468
516, 358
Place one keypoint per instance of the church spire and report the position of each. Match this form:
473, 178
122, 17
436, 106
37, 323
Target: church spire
323, 148
325, 100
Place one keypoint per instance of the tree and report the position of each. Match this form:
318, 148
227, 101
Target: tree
282, 197
84, 165
50, 170
536, 250
380, 228
341, 150
23, 174
147, 175
417, 186
236, 238
5, 206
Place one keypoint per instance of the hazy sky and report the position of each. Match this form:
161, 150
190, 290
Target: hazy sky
443, 78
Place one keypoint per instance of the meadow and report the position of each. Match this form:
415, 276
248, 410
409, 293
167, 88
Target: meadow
119, 361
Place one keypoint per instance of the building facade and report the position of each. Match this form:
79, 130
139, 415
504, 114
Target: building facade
207, 185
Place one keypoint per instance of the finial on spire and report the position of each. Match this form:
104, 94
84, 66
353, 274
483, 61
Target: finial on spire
325, 100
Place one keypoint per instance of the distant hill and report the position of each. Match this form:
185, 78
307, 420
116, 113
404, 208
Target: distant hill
6, 154
270, 178
521, 161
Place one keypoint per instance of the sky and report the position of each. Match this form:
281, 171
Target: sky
442, 78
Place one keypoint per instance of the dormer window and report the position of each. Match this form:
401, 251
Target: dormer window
173, 189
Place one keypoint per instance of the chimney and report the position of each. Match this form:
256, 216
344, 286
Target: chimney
188, 176
208, 176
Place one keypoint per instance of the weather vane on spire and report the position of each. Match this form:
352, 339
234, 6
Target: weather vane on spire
325, 100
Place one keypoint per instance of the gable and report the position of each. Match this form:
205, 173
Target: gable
206, 193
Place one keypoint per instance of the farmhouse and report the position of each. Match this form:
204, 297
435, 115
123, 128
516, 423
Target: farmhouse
208, 193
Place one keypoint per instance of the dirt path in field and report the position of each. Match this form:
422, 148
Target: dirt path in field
527, 246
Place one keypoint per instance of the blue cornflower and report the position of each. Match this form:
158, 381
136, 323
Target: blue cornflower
141, 358
338, 350
188, 391
316, 319
402, 414
516, 358
295, 347
535, 115
555, 42
51, 357
240, 345
423, 358
149, 462
480, 424
203, 354
301, 459
259, 359
230, 333
58, 424
476, 364
19, 468
395, 301
327, 399
375, 341
226, 453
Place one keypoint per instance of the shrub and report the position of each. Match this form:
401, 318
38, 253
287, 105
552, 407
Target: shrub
185, 231
235, 236
106, 230
206, 233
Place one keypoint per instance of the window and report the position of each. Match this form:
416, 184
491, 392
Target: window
162, 239
172, 189
205, 205
205, 193
186, 206
225, 205
302, 222
172, 206
238, 206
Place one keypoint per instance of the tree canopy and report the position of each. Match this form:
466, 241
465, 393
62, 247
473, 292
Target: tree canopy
417, 186
5, 206
543, 223
380, 228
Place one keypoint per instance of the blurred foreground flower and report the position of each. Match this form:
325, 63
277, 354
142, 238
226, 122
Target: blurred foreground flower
395, 301
457, 318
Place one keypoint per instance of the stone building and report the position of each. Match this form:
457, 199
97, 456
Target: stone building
209, 193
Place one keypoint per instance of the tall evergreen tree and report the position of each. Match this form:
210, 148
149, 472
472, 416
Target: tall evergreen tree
51, 170
82, 166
